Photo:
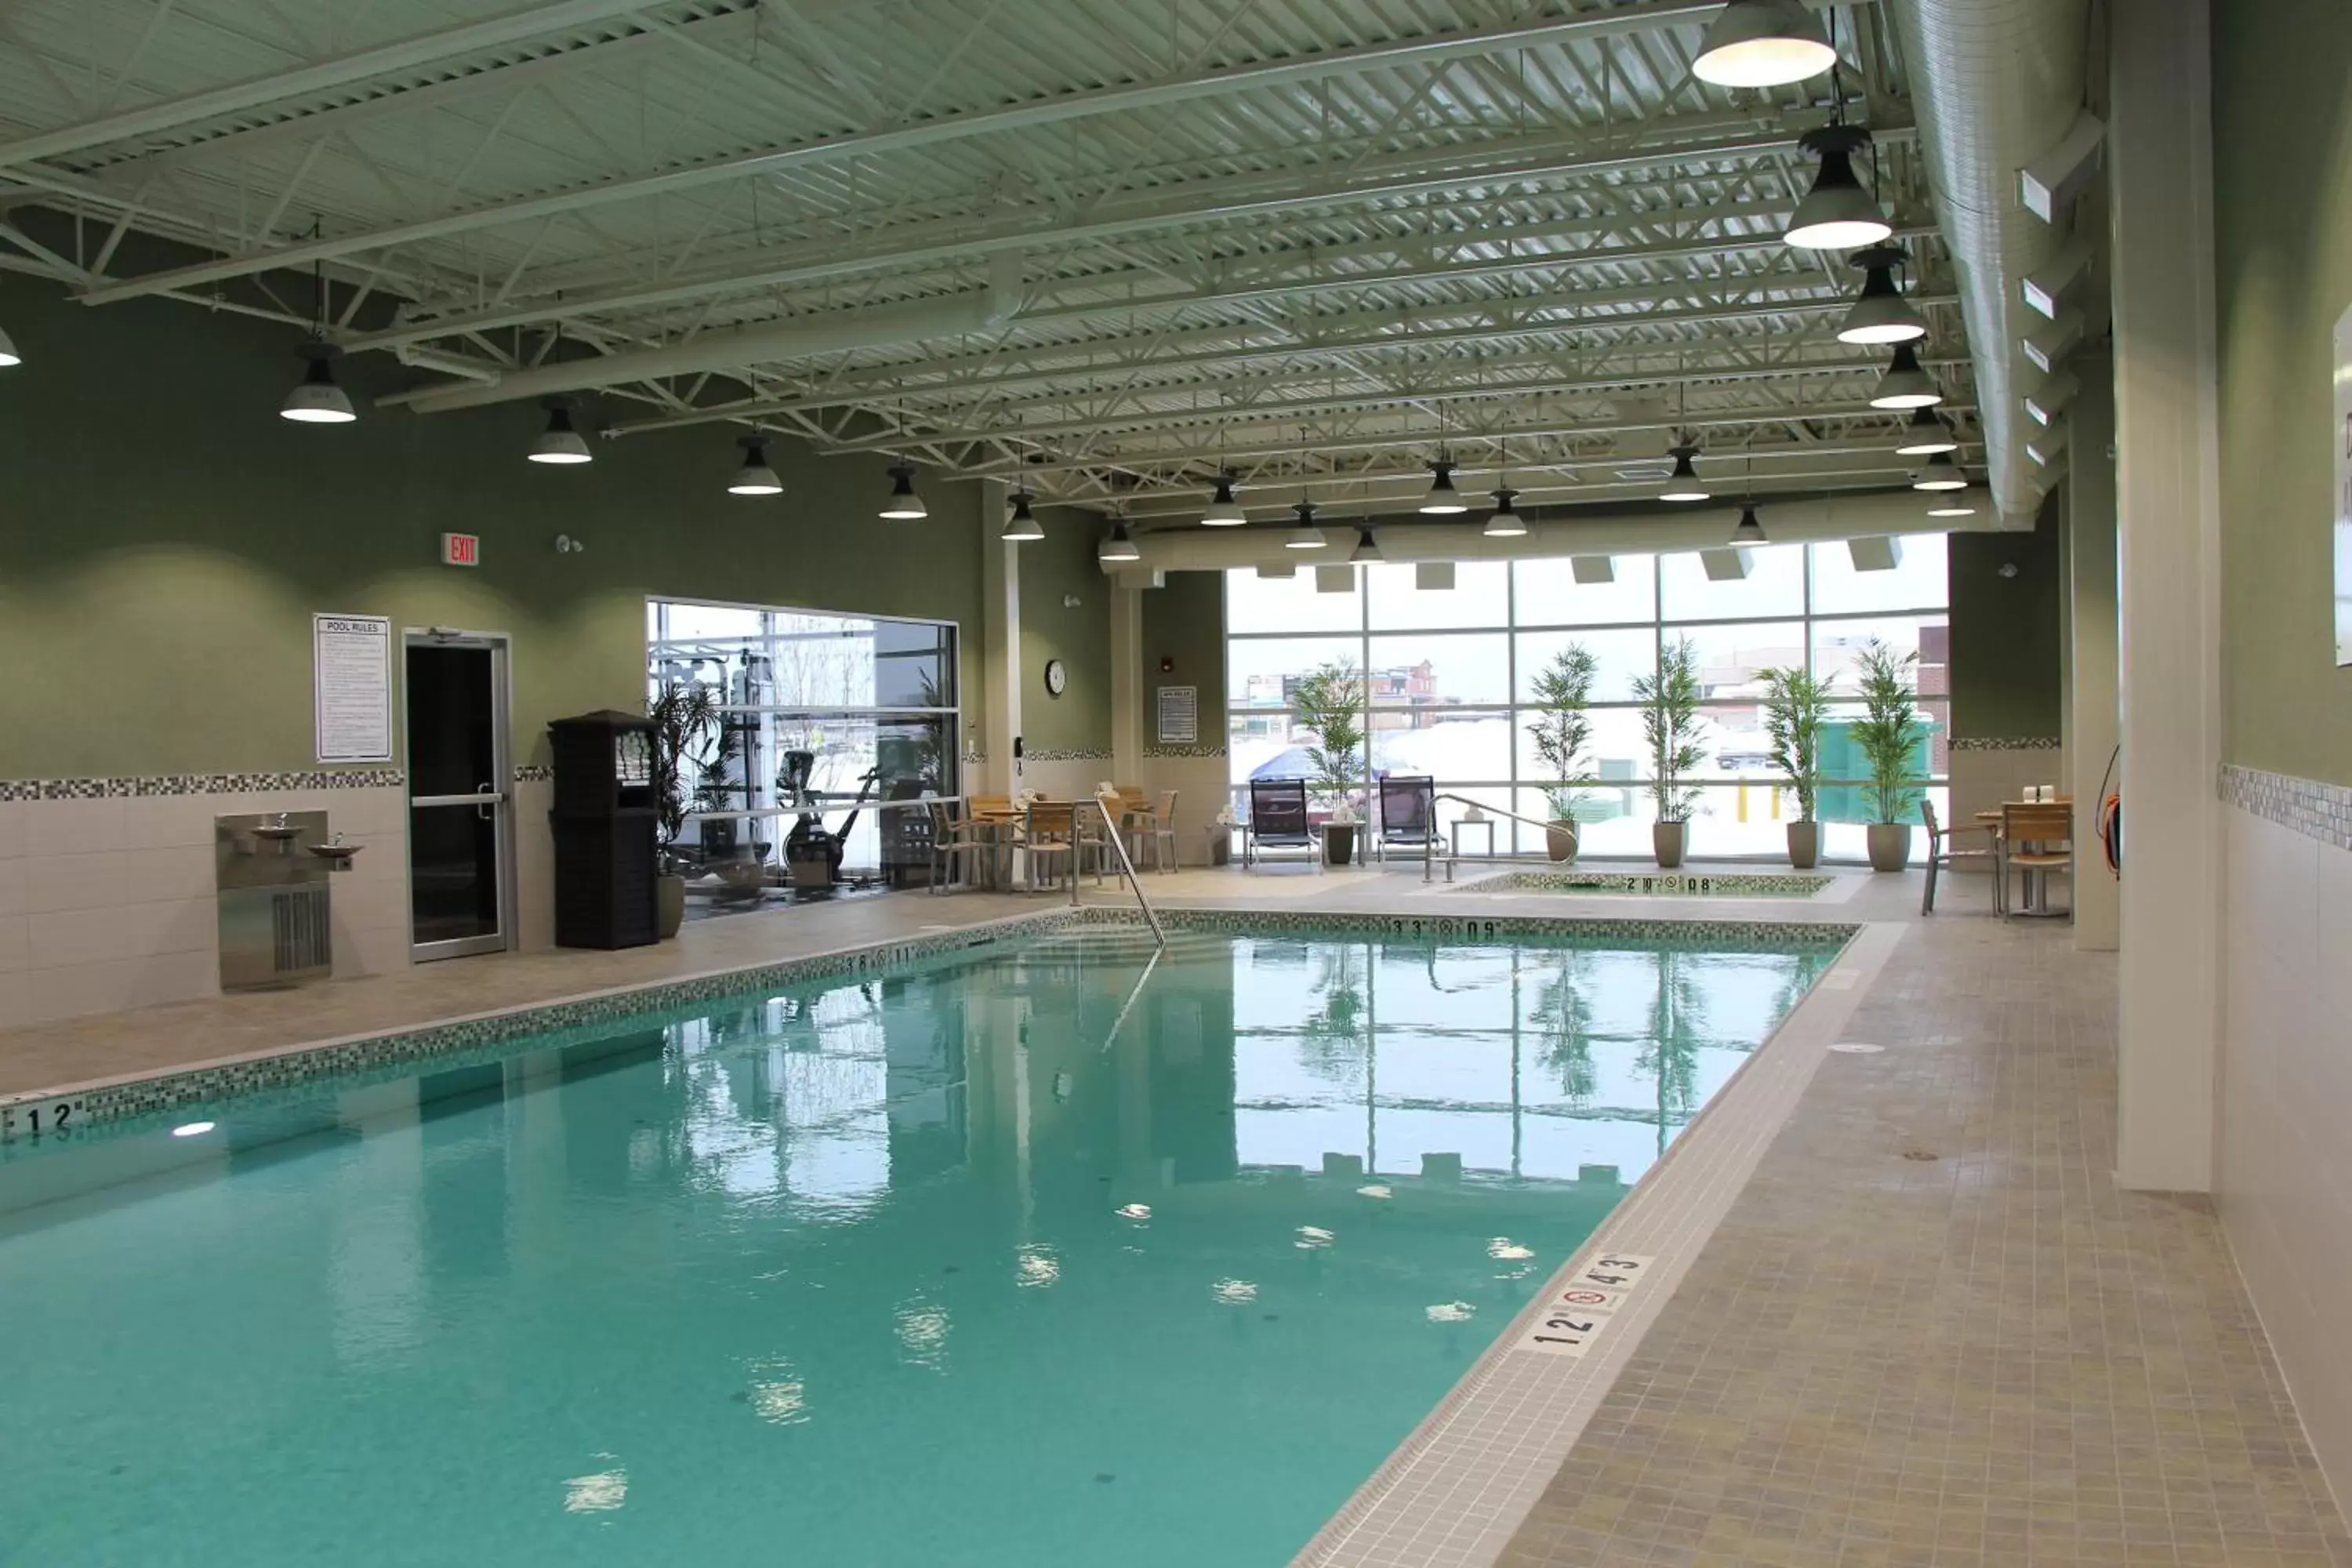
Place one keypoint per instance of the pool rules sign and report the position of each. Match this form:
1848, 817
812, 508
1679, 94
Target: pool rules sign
350, 688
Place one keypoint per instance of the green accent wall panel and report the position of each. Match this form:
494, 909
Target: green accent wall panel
2008, 659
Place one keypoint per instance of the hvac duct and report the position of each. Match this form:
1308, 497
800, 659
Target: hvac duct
1996, 84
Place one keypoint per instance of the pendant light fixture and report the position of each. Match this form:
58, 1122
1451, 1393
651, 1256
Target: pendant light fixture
1881, 314
1837, 214
1941, 474
1223, 510
316, 399
1955, 503
1304, 535
1682, 484
903, 505
1119, 546
755, 478
1368, 549
1023, 526
1762, 43
1904, 385
1925, 436
560, 444
8, 354
1442, 499
1504, 521
1750, 530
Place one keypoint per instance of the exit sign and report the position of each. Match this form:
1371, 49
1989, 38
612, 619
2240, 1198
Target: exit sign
461, 550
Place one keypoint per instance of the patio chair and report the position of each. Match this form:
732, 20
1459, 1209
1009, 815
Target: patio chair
1941, 855
1277, 820
2037, 839
1408, 814
1163, 833
953, 842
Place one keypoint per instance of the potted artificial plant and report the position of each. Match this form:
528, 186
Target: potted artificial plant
1329, 701
1675, 735
1888, 734
692, 746
1796, 706
1563, 728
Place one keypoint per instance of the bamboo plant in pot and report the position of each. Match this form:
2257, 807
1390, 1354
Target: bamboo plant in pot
1796, 706
1888, 734
1329, 702
692, 748
1677, 737
1564, 689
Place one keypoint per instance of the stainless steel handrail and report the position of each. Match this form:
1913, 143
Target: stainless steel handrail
1110, 831
1429, 845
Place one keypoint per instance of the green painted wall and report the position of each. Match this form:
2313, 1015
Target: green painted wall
165, 538
2009, 659
1185, 622
2282, 228
1053, 569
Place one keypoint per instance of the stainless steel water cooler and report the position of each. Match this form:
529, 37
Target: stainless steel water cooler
273, 871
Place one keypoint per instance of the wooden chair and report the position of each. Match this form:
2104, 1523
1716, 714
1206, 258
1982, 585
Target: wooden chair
953, 839
1277, 820
1163, 834
1941, 855
1057, 835
2037, 839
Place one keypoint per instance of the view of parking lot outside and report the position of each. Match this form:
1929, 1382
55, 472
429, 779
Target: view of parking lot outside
1451, 674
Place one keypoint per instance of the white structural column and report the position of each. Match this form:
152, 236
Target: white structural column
1000, 664
1126, 678
2168, 507
2091, 661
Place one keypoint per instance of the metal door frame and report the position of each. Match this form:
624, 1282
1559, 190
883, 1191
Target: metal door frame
500, 800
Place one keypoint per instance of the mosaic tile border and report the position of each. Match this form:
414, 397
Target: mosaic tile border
153, 784
1203, 750
2316, 810
535, 773
1044, 755
2005, 744
1691, 884
24, 1115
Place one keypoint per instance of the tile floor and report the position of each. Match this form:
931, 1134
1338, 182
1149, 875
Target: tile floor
1929, 1331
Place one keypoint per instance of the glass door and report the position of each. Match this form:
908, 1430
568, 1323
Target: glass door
460, 809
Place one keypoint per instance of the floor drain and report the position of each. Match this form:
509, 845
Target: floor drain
1857, 1048
1917, 1154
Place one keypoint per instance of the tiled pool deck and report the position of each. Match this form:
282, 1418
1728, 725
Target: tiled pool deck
1926, 1328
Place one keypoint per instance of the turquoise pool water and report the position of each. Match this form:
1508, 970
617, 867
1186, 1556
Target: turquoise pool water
1023, 1255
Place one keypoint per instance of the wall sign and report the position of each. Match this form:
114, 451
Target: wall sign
1179, 715
351, 687
462, 550
2340, 438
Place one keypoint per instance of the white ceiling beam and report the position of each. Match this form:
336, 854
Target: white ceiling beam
277, 86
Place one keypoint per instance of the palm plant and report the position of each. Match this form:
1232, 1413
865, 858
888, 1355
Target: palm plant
1890, 729
1796, 706
1563, 728
1672, 729
1329, 701
693, 746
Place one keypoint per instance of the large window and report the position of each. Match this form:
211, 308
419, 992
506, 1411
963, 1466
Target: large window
867, 706
1450, 674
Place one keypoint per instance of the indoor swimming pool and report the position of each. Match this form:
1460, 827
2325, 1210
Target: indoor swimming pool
1046, 1251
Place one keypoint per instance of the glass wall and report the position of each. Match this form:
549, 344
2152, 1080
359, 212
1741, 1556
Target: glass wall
1450, 676
866, 708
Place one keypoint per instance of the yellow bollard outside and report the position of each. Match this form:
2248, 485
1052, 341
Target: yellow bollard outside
1743, 800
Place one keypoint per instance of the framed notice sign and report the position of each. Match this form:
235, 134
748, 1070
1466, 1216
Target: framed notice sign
350, 688
1179, 715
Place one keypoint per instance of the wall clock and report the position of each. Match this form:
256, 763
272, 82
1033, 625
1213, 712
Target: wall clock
1057, 678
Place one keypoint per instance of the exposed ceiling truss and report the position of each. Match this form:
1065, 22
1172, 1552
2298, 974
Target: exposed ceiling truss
1134, 240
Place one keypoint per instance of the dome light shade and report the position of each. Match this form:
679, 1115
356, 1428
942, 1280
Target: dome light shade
316, 399
1442, 499
1023, 526
1837, 214
755, 478
1305, 536
1762, 43
1881, 314
1941, 474
1505, 522
1925, 436
560, 444
8, 354
1953, 505
1682, 484
902, 504
1750, 530
1904, 385
1119, 546
1223, 510
1367, 547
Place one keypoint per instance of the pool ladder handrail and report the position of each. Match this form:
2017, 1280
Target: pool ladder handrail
1111, 833
1429, 843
